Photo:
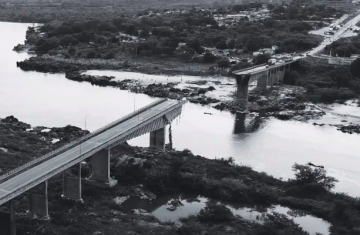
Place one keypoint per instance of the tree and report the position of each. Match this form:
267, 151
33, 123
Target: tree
221, 45
68, 40
223, 63
209, 57
84, 37
291, 77
309, 176
47, 44
355, 68
195, 44
130, 29
261, 59
72, 50
109, 55
91, 54
231, 44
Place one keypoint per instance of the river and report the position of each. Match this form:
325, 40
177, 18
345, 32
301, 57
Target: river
272, 146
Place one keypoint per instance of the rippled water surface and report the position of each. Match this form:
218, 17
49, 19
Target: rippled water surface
272, 146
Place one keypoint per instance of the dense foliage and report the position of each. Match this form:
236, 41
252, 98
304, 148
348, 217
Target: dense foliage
324, 83
161, 35
344, 47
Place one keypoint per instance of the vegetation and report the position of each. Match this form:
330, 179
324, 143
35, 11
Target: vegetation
324, 83
179, 34
181, 172
344, 47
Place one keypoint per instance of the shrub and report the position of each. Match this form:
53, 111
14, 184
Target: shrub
209, 57
191, 228
109, 55
291, 77
91, 54
313, 177
215, 213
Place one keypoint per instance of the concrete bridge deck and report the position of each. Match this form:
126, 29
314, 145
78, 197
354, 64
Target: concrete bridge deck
150, 119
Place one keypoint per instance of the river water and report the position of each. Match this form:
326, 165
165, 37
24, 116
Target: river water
272, 146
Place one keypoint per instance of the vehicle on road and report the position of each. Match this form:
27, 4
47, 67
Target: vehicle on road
271, 62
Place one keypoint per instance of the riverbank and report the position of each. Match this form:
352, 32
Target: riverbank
54, 64
146, 174
284, 102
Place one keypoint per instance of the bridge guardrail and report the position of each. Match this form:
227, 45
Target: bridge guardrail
47, 156
249, 68
81, 157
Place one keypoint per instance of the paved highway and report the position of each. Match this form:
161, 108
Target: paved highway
22, 180
339, 34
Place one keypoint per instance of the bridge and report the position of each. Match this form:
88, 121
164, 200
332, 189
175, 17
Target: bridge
150, 119
264, 76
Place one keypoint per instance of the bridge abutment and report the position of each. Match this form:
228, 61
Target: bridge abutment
38, 204
157, 139
72, 186
100, 175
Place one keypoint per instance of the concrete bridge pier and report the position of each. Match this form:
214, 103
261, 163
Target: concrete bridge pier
157, 139
276, 76
38, 204
12, 218
100, 175
72, 186
242, 91
263, 81
272, 75
282, 73
7, 220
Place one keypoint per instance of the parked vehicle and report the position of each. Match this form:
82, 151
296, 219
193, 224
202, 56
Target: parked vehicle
271, 61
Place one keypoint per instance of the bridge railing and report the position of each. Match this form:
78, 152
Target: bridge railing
249, 68
54, 153
67, 164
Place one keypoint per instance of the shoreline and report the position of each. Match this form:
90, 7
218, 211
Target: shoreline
179, 173
284, 102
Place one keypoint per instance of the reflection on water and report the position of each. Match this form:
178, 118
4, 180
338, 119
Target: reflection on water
246, 123
192, 206
51, 100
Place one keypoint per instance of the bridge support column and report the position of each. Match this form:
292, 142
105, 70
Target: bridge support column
242, 90
12, 218
272, 78
38, 204
72, 186
157, 139
100, 175
276, 76
282, 73
7, 220
263, 81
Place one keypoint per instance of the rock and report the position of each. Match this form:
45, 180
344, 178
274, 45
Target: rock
199, 82
121, 200
139, 212
211, 88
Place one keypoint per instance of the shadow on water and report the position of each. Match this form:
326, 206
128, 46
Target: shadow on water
247, 123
